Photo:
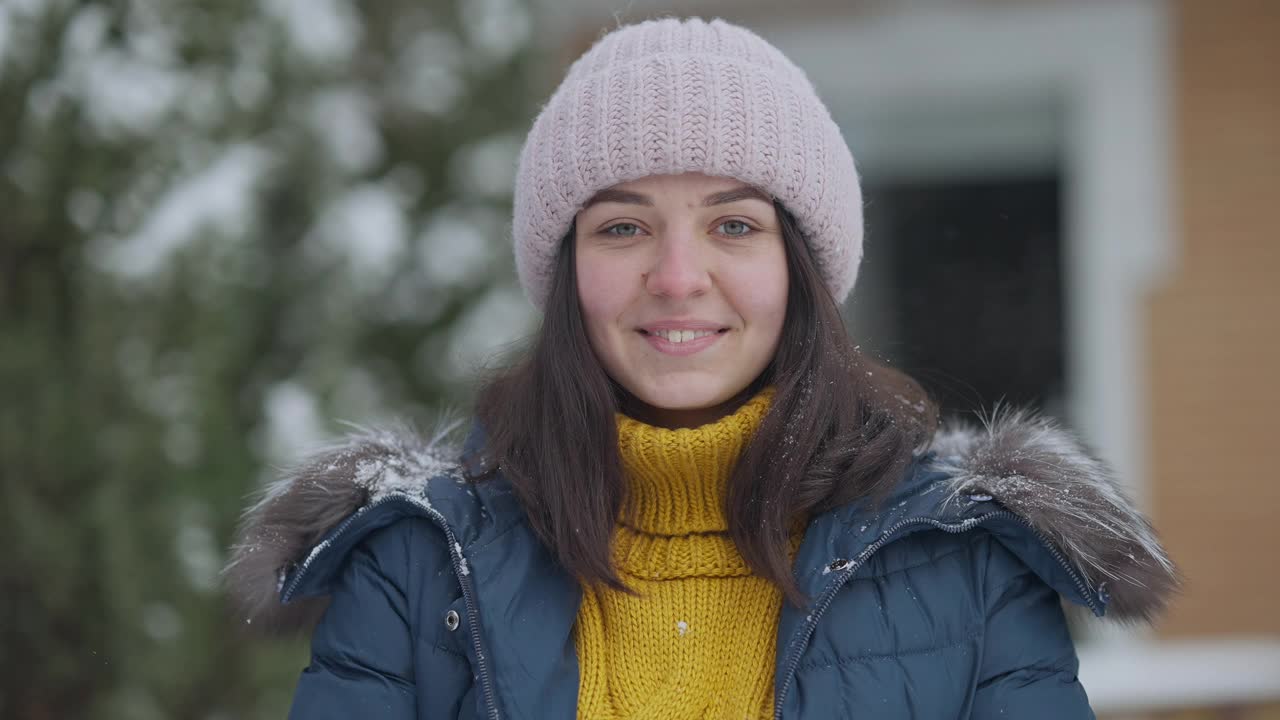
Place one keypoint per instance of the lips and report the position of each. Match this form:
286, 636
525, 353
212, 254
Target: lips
681, 335
681, 341
681, 324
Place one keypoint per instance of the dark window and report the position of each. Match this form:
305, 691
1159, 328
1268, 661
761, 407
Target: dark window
965, 289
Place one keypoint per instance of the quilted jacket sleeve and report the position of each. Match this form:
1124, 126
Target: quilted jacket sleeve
362, 649
1029, 662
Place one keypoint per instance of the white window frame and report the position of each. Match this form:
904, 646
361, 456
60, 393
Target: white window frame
1106, 64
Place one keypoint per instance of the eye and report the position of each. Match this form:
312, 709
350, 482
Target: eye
627, 230
736, 228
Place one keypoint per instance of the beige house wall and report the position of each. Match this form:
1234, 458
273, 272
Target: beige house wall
1214, 330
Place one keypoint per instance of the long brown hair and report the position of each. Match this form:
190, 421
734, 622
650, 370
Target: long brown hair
841, 428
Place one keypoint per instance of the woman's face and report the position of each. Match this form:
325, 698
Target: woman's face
682, 281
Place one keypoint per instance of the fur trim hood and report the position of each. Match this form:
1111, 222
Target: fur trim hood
1044, 474
295, 512
1026, 463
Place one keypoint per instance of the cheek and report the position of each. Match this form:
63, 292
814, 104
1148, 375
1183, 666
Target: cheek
762, 296
600, 292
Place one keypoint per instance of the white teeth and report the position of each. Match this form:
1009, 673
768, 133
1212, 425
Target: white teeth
679, 336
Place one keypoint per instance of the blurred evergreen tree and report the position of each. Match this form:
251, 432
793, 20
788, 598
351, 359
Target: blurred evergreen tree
222, 225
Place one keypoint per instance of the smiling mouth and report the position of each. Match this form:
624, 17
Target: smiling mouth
682, 336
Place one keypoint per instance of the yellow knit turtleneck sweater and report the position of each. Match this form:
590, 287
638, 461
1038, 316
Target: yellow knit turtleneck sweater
699, 640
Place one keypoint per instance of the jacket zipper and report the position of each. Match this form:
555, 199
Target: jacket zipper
824, 600
464, 580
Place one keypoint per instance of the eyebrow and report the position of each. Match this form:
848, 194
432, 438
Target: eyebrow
627, 197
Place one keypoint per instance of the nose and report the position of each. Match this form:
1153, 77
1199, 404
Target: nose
680, 270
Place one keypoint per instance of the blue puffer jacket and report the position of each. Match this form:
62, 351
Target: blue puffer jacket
943, 602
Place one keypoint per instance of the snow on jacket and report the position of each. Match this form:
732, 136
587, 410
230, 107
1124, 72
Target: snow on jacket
436, 600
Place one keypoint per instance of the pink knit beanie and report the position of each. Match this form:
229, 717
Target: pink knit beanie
670, 96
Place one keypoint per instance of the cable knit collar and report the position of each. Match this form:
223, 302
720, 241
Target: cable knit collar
677, 479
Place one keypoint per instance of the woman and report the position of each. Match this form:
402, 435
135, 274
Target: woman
692, 497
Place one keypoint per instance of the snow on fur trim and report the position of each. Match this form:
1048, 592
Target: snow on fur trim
310, 499
1044, 474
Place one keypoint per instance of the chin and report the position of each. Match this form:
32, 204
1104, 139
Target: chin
693, 394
